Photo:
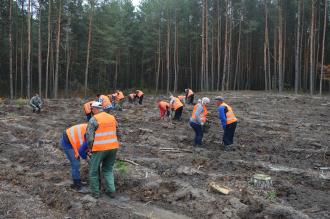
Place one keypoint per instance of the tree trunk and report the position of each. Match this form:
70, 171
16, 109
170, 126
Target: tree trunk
175, 56
89, 44
203, 48
218, 46
266, 44
22, 50
168, 55
58, 37
311, 49
39, 50
323, 42
225, 61
29, 51
68, 56
10, 52
48, 48
298, 49
280, 47
206, 46
158, 59
238, 50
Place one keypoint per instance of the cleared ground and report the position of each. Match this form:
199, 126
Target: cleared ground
286, 137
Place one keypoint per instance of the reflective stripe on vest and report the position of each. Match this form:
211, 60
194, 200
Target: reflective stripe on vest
105, 135
76, 136
231, 118
202, 115
176, 104
190, 92
87, 107
105, 101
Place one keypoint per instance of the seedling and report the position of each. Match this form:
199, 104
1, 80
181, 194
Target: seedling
271, 195
121, 167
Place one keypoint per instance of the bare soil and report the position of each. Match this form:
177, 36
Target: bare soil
286, 137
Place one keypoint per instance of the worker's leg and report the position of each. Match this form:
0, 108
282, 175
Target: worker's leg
107, 167
162, 113
94, 165
228, 135
179, 111
140, 100
198, 133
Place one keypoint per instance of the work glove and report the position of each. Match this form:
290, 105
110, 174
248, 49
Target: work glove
202, 123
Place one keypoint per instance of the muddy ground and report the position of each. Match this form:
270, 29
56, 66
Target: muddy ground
286, 137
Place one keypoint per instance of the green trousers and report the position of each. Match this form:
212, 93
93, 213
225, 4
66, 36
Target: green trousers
107, 159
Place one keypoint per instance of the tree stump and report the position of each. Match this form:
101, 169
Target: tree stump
262, 181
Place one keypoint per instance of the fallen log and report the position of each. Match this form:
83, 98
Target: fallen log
218, 188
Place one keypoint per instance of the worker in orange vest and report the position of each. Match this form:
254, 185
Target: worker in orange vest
131, 97
119, 99
176, 106
72, 140
198, 119
164, 109
139, 94
105, 101
182, 99
88, 110
189, 96
102, 140
228, 121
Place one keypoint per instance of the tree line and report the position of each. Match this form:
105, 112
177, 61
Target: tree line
56, 47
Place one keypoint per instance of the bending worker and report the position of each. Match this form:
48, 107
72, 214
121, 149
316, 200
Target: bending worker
119, 98
105, 101
36, 103
102, 140
228, 121
88, 110
176, 106
131, 97
189, 96
139, 94
164, 109
198, 119
72, 140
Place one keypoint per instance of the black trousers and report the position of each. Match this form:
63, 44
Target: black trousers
191, 99
228, 134
140, 100
178, 113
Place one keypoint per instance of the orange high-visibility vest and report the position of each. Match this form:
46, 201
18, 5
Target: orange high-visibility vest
105, 101
139, 93
163, 105
105, 135
231, 118
176, 104
120, 96
87, 107
181, 98
190, 92
76, 135
202, 115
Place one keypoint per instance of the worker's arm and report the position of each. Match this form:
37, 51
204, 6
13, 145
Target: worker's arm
32, 102
222, 116
90, 132
83, 149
